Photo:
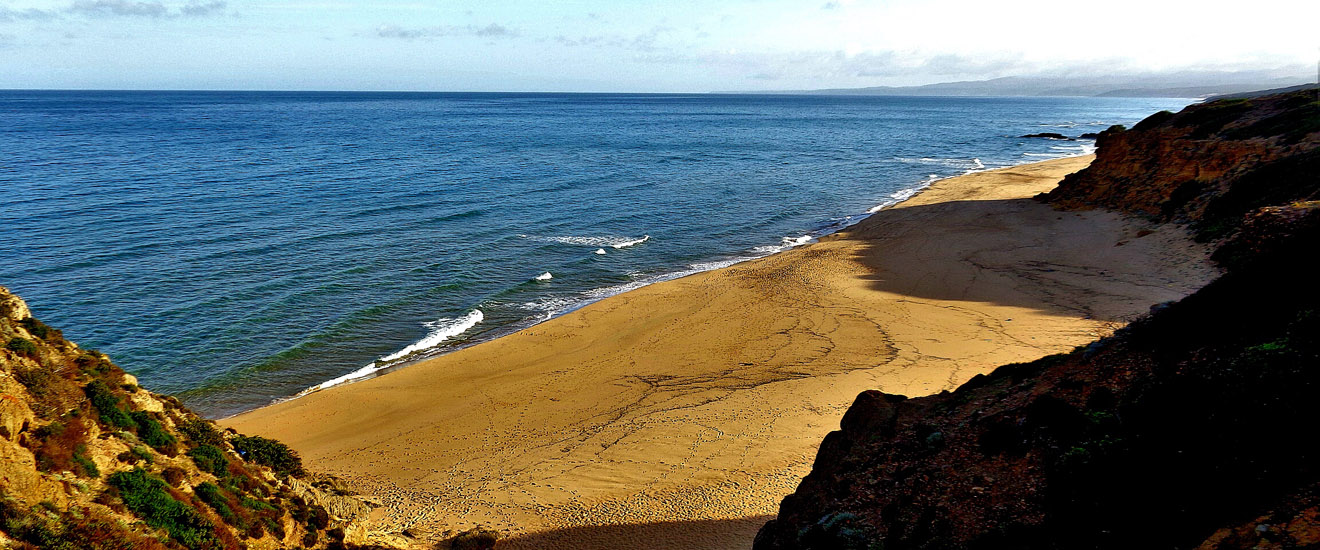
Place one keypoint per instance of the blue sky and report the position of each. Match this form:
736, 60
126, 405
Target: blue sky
642, 45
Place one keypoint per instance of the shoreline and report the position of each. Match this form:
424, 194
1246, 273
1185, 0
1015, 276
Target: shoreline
426, 354
701, 400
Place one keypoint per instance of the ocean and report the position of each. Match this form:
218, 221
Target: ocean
235, 248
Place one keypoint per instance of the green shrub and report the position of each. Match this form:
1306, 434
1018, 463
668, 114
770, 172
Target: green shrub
88, 467
40, 329
149, 498
254, 504
214, 497
92, 362
23, 346
211, 459
142, 453
107, 406
201, 432
268, 452
151, 431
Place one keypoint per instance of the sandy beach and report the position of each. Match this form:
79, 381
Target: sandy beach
679, 414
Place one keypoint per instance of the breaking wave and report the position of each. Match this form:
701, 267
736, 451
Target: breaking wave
596, 242
440, 330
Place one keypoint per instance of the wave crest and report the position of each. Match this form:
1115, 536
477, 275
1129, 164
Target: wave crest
440, 330
596, 242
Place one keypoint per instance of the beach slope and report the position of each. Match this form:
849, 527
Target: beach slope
679, 414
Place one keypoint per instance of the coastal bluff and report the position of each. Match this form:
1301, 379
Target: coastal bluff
91, 461
1189, 428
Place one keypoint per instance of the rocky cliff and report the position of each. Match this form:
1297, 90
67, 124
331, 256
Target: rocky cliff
1207, 165
89, 460
1187, 429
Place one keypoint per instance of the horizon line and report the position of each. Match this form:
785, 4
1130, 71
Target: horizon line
824, 92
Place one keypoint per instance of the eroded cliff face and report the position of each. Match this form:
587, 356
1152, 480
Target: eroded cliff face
88, 460
1182, 167
1187, 429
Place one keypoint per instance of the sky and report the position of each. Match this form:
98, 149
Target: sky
632, 45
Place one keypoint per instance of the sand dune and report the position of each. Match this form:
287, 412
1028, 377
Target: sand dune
679, 414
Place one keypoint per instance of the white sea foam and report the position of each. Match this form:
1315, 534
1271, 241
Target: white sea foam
600, 251
550, 307
967, 165
903, 194
544, 276
1069, 124
440, 330
598, 242
626, 244
785, 243
1062, 151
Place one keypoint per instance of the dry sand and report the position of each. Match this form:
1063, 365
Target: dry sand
679, 414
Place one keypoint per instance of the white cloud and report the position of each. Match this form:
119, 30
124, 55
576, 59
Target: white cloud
493, 30
25, 14
119, 8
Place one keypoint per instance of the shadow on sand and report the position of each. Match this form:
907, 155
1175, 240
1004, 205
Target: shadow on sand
1022, 253
732, 534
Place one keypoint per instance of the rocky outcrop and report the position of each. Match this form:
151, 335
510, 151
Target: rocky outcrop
1183, 430
12, 307
90, 460
1180, 167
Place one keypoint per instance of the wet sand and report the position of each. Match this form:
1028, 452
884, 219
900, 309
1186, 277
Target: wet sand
679, 414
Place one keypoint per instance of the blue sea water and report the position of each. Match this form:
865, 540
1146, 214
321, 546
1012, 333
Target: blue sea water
239, 247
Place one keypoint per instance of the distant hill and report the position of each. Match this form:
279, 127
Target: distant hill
1180, 84
1262, 93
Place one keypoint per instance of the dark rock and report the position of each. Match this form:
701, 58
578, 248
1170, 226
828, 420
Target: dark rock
872, 413
1049, 135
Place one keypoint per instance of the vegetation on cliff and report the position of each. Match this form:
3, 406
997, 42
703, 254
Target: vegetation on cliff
1188, 429
90, 460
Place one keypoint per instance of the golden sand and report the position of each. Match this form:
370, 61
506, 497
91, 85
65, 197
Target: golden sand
679, 414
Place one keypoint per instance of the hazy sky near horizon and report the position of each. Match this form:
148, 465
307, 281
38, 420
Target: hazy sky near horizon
641, 45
